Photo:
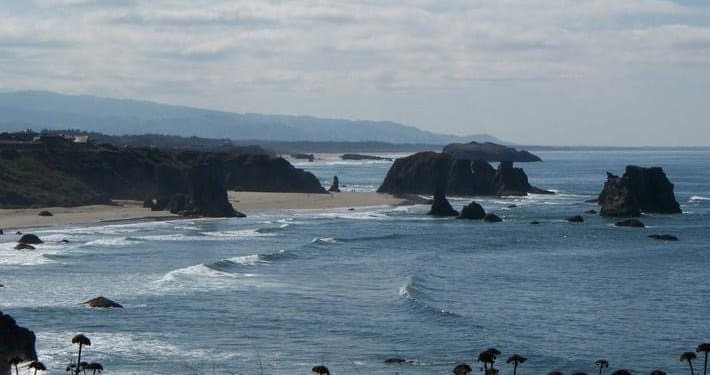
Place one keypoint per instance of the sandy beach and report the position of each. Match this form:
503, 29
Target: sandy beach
246, 202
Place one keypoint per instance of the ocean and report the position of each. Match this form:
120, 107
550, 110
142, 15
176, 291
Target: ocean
279, 292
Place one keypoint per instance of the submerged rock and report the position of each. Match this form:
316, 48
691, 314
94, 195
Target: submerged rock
102, 302
663, 237
395, 361
473, 211
575, 219
441, 206
634, 223
535, 222
30, 239
24, 246
492, 218
638, 190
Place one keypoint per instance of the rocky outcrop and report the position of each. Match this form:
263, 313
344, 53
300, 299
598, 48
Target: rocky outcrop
422, 172
309, 157
441, 206
488, 151
31, 239
473, 211
633, 223
362, 157
15, 341
103, 303
639, 190
663, 237
207, 196
492, 218
335, 187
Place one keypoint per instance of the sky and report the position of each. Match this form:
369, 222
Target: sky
558, 72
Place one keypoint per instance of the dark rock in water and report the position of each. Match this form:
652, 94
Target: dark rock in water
102, 302
179, 203
30, 239
395, 361
15, 342
663, 237
488, 151
593, 212
64, 241
492, 218
1, 232
473, 211
309, 157
634, 223
423, 172
362, 157
320, 370
335, 187
441, 206
207, 195
45, 213
351, 209
18, 233
535, 222
512, 206
24, 246
639, 190
575, 219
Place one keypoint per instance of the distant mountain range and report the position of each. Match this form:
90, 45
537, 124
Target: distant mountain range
46, 110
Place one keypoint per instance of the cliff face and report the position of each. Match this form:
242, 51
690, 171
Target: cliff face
488, 151
36, 178
15, 341
639, 190
423, 172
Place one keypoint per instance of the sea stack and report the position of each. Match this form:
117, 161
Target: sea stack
441, 206
639, 190
335, 187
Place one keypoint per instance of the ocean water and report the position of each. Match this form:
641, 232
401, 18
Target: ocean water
281, 291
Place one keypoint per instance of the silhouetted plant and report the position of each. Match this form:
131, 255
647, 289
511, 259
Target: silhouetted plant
579, 373
82, 341
704, 348
601, 364
486, 358
462, 369
495, 352
516, 359
14, 361
37, 366
320, 370
689, 357
95, 366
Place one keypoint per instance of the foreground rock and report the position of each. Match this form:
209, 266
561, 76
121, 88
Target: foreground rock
335, 187
422, 172
633, 223
441, 206
15, 341
362, 157
102, 302
473, 211
663, 237
31, 239
488, 151
639, 190
492, 218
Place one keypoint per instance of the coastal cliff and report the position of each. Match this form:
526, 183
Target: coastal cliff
98, 175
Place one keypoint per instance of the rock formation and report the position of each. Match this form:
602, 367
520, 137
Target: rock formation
45, 213
422, 172
473, 211
663, 237
488, 152
102, 302
575, 219
335, 187
207, 196
633, 223
441, 206
492, 218
639, 190
31, 239
15, 341
24, 246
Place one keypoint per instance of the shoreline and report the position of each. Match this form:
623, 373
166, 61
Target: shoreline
248, 203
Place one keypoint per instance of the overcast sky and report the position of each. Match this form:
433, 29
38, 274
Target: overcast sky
601, 72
